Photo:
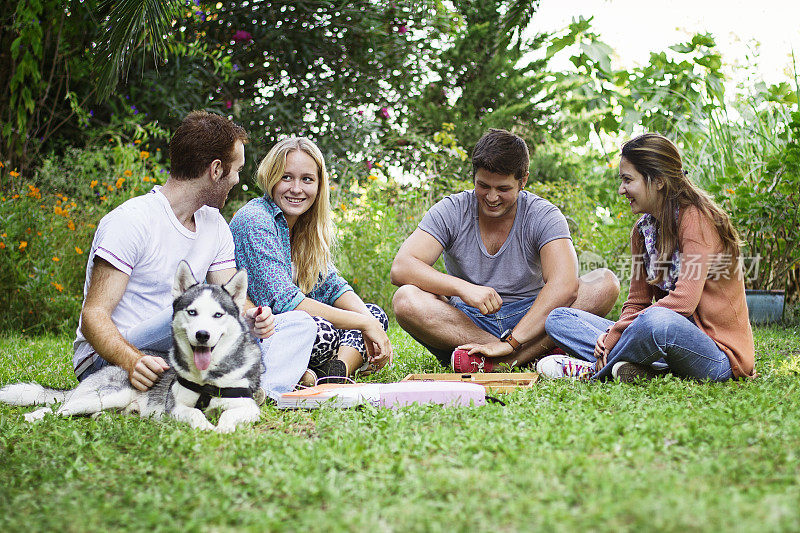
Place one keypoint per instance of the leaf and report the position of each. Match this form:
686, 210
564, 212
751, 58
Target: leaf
559, 43
684, 48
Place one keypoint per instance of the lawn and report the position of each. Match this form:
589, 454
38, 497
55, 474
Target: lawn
669, 455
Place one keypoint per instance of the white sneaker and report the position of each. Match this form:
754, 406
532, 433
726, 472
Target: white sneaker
563, 366
626, 372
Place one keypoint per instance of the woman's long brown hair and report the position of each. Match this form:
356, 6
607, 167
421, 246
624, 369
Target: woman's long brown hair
656, 157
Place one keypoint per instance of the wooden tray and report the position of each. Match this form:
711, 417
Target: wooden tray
496, 382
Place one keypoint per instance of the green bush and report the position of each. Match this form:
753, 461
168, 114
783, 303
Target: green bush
372, 221
48, 225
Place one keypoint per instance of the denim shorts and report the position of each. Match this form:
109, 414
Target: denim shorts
507, 317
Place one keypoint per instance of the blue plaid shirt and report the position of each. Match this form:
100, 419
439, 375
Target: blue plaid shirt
261, 236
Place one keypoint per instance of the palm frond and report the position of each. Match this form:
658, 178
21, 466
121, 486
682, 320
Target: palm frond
127, 26
518, 16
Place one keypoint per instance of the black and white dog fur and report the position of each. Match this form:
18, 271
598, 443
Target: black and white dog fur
213, 352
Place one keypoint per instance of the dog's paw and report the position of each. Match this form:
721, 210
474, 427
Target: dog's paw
199, 421
35, 416
225, 428
231, 419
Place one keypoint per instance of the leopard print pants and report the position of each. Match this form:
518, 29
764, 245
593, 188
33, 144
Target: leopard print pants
329, 339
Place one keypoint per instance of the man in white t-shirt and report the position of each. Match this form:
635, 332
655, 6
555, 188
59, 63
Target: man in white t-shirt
509, 260
136, 250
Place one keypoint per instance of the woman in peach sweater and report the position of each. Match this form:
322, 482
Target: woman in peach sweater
686, 310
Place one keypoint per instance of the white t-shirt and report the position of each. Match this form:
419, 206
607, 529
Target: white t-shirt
144, 239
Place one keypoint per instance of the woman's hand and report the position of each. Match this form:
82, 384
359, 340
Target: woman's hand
261, 321
376, 341
600, 352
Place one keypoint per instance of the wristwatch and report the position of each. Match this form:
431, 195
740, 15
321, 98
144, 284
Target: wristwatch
509, 338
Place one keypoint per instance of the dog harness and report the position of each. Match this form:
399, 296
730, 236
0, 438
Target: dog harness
207, 391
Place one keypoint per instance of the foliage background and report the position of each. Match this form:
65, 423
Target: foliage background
396, 93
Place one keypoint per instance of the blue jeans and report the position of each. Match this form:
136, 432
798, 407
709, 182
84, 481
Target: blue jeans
154, 335
284, 354
507, 317
657, 334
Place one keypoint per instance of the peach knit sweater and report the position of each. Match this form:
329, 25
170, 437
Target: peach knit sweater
710, 289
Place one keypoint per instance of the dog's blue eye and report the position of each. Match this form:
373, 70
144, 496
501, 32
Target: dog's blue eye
217, 315
191, 312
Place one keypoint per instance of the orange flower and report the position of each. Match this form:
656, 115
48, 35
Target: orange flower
137, 141
14, 173
119, 183
2, 246
146, 178
93, 184
57, 210
15, 197
2, 165
372, 177
56, 259
58, 286
23, 245
103, 198
730, 191
144, 154
33, 192
128, 173
78, 250
39, 233
71, 225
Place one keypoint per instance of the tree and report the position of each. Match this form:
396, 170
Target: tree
484, 79
42, 58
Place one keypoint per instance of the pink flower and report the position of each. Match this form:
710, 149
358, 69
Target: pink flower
242, 36
228, 104
360, 112
402, 29
369, 165
384, 112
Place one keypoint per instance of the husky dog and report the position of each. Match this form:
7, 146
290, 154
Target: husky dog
214, 362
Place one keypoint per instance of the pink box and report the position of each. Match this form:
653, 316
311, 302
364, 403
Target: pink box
450, 393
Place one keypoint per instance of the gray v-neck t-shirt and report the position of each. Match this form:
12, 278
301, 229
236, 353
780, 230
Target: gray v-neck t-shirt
515, 271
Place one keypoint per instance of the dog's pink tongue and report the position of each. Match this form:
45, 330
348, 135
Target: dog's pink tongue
202, 357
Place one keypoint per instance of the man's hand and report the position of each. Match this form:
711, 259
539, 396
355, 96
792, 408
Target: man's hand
146, 371
261, 321
492, 349
484, 299
600, 352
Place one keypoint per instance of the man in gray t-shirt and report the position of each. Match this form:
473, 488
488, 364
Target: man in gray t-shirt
509, 261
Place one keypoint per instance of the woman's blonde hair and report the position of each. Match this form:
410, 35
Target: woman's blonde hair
312, 237
654, 156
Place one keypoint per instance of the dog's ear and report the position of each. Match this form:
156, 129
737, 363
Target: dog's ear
183, 279
237, 288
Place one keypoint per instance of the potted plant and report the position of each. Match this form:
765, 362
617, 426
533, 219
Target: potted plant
763, 199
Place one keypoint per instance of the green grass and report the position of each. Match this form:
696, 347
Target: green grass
668, 455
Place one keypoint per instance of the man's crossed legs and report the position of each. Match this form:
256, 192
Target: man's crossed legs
441, 326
